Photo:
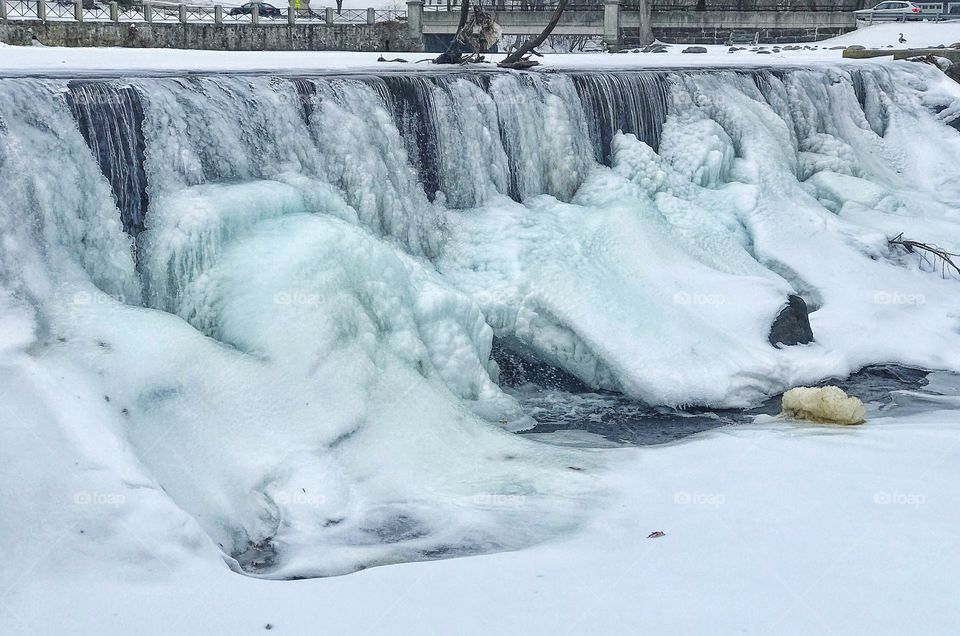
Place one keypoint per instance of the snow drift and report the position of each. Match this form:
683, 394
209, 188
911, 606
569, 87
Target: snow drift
261, 309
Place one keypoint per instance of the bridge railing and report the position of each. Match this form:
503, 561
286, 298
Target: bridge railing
169, 12
517, 5
656, 5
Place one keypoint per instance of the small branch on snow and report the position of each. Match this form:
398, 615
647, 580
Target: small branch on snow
925, 250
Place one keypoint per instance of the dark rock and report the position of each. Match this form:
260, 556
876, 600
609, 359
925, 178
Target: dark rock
856, 47
519, 366
792, 324
694, 49
763, 52
953, 72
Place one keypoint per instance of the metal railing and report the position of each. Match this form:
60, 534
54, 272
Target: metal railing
749, 6
926, 16
522, 5
351, 16
389, 15
656, 5
168, 12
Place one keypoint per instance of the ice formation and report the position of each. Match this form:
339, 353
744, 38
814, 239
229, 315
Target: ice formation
262, 308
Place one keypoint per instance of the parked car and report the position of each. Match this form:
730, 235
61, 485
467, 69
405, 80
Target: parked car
890, 11
266, 10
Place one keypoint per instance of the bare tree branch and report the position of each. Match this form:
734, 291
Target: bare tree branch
516, 59
927, 250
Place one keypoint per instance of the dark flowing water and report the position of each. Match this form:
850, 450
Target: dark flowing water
565, 408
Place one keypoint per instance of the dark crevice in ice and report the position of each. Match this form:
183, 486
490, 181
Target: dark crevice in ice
110, 118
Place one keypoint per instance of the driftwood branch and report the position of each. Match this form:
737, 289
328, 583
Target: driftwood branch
929, 253
454, 52
518, 58
477, 32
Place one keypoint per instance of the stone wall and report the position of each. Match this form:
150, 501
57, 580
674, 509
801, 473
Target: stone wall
699, 27
715, 27
382, 36
718, 35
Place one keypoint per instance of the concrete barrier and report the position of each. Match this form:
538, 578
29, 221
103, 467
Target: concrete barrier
699, 27
715, 27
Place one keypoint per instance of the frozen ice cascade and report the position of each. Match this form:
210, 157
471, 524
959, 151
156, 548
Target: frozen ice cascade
260, 310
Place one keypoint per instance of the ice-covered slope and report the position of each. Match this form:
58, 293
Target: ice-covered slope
290, 363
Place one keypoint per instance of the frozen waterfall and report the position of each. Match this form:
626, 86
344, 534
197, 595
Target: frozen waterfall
275, 298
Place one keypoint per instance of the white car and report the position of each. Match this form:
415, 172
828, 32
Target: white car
894, 10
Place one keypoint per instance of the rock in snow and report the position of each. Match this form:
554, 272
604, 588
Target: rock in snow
792, 325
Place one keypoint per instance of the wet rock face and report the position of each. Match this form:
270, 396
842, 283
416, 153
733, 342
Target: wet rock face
792, 325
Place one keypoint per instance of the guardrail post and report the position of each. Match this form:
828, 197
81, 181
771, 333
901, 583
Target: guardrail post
254, 13
78, 10
611, 24
147, 12
3, 9
329, 15
114, 12
292, 12
42, 10
182, 13
415, 19
371, 16
218, 14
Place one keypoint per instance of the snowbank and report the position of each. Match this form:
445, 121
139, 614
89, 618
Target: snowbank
916, 34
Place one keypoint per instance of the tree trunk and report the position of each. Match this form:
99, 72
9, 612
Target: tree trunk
454, 52
646, 30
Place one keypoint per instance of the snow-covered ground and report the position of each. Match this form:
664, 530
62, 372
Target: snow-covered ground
27, 60
772, 529
308, 349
